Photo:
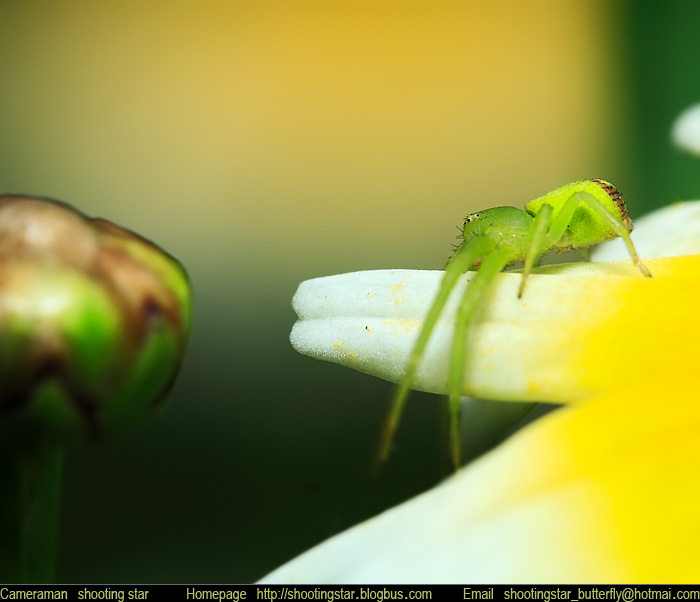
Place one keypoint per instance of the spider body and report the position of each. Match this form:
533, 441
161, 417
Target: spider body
574, 216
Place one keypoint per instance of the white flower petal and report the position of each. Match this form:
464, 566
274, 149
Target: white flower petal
686, 130
369, 320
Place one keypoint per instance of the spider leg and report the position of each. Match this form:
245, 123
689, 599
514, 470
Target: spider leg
562, 219
473, 297
616, 226
464, 258
536, 242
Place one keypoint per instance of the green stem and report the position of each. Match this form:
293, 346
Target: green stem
30, 483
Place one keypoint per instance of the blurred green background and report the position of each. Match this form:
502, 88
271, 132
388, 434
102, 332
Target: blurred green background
265, 143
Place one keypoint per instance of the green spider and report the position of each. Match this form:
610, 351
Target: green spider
574, 216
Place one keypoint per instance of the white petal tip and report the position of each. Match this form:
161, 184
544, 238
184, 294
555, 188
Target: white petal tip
686, 130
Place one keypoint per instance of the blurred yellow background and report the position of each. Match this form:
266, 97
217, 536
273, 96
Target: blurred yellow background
236, 128
264, 143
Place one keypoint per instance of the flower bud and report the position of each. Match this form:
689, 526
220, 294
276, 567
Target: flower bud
94, 320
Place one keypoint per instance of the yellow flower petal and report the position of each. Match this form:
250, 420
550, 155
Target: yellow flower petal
601, 492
